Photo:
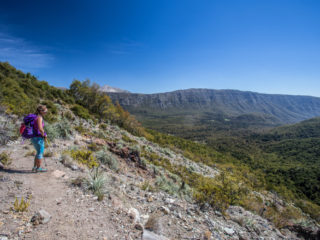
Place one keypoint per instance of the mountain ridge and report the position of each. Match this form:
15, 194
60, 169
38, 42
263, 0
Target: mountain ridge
285, 108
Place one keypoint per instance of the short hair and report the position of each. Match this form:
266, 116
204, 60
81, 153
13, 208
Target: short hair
41, 108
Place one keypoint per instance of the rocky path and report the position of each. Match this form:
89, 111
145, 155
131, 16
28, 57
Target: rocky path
74, 215
127, 212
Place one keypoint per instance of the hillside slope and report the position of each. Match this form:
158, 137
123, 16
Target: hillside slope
289, 155
112, 168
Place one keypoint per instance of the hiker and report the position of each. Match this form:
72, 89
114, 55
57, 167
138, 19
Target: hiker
39, 137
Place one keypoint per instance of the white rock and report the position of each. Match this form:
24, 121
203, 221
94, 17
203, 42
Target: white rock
58, 173
228, 231
170, 200
147, 235
165, 210
46, 216
91, 209
134, 214
41, 217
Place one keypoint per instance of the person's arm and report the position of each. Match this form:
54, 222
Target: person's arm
40, 127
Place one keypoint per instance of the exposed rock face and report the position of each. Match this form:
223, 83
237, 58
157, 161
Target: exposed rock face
126, 153
106, 88
306, 232
284, 108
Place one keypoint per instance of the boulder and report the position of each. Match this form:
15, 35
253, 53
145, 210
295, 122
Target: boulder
147, 235
40, 217
134, 215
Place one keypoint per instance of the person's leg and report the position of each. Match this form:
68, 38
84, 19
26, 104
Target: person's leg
41, 151
39, 145
37, 148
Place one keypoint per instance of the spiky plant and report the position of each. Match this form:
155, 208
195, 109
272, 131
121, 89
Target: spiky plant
96, 181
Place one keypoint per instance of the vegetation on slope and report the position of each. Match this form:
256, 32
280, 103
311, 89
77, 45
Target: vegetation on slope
21, 93
246, 160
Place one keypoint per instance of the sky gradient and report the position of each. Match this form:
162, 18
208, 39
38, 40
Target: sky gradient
266, 46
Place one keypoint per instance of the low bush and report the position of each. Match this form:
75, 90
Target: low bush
147, 186
5, 159
81, 111
85, 157
106, 157
61, 129
103, 126
93, 147
22, 206
166, 184
8, 132
128, 139
310, 208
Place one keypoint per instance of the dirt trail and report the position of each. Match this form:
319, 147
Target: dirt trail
74, 214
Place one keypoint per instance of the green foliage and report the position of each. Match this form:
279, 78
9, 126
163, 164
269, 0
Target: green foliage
106, 157
103, 126
128, 139
84, 157
61, 129
310, 208
220, 192
285, 160
5, 159
22, 206
81, 111
147, 186
21, 93
96, 182
93, 147
8, 132
89, 97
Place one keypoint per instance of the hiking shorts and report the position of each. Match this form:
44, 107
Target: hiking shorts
38, 143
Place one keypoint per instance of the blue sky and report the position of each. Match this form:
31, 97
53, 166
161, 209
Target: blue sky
267, 46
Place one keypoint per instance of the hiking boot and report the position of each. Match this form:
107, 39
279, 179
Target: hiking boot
40, 169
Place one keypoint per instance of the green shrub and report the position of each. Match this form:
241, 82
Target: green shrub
84, 157
103, 126
310, 208
8, 132
147, 186
61, 129
165, 184
93, 147
5, 158
81, 111
22, 206
106, 157
220, 192
128, 139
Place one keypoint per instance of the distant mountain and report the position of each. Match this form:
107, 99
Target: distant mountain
282, 108
109, 89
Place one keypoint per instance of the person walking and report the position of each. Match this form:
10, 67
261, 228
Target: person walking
39, 138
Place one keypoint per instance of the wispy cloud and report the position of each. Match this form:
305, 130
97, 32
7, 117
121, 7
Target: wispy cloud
23, 54
125, 47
